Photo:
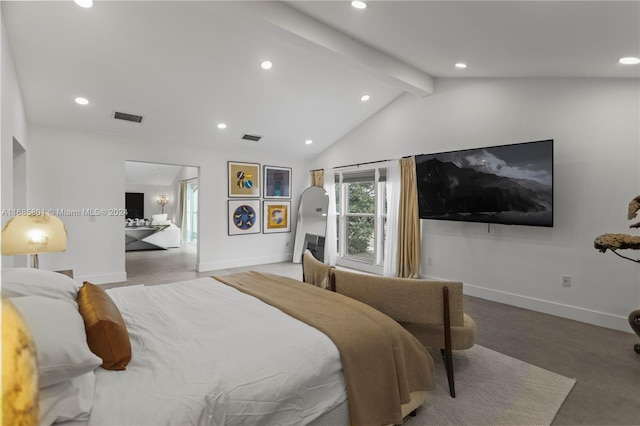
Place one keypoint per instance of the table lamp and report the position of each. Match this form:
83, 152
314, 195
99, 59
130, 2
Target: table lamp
33, 234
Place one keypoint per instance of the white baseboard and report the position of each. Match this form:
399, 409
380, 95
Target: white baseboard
576, 313
238, 263
102, 279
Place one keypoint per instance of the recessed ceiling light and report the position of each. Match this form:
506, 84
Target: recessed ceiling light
308, 141
365, 98
84, 3
266, 65
222, 126
461, 65
359, 4
630, 60
82, 101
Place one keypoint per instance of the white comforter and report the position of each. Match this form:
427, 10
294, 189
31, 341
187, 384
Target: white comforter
207, 354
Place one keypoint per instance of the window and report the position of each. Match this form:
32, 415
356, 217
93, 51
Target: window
361, 218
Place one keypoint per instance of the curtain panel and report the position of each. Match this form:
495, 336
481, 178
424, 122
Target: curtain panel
331, 233
183, 210
393, 183
317, 178
408, 222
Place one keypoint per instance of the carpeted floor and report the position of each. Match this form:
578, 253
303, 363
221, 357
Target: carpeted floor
492, 389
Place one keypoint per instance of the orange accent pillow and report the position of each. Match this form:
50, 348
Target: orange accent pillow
107, 334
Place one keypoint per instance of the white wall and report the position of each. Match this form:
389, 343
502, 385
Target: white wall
595, 124
186, 173
77, 170
13, 125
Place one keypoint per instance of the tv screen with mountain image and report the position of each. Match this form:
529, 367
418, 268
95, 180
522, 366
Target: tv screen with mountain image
508, 184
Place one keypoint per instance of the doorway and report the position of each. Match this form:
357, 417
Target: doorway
163, 237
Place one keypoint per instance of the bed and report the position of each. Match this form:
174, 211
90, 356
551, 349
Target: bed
214, 351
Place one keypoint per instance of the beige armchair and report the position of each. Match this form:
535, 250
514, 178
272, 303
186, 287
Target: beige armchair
431, 310
316, 273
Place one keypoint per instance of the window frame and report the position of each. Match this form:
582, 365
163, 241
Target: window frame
379, 219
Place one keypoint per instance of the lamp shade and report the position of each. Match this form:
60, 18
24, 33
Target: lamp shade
33, 234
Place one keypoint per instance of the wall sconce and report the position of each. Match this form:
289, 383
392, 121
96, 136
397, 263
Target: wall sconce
162, 200
33, 234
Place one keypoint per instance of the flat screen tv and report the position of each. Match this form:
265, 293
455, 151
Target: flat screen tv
507, 184
134, 203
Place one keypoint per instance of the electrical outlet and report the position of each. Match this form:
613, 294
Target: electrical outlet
430, 260
566, 281
286, 243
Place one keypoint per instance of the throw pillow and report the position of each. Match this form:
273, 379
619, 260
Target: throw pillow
106, 330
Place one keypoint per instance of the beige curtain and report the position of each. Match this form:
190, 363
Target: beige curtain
317, 178
408, 222
183, 210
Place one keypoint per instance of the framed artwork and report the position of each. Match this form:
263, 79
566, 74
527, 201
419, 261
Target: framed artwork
244, 217
277, 182
244, 179
276, 216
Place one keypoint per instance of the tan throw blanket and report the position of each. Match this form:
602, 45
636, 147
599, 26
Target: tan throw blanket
382, 362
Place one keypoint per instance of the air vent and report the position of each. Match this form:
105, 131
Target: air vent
254, 138
127, 117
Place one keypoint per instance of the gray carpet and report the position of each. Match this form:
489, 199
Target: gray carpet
492, 389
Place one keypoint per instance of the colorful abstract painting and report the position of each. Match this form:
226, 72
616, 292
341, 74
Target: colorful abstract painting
244, 179
244, 217
276, 216
277, 182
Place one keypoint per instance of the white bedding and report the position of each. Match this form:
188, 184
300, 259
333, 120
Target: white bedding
206, 354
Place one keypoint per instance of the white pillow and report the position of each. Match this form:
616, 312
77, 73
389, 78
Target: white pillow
58, 332
70, 400
159, 219
17, 282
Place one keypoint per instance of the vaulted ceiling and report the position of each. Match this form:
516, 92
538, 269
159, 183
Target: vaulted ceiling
188, 66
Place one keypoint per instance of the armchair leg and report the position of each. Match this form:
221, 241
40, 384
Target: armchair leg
447, 358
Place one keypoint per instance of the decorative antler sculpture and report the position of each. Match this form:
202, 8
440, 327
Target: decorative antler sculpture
615, 242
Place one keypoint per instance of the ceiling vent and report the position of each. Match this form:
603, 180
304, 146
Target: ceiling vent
253, 138
127, 117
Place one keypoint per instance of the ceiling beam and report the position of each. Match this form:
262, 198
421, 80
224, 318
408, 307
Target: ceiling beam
286, 22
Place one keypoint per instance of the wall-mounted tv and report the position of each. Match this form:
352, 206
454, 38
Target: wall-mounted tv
507, 184
134, 203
